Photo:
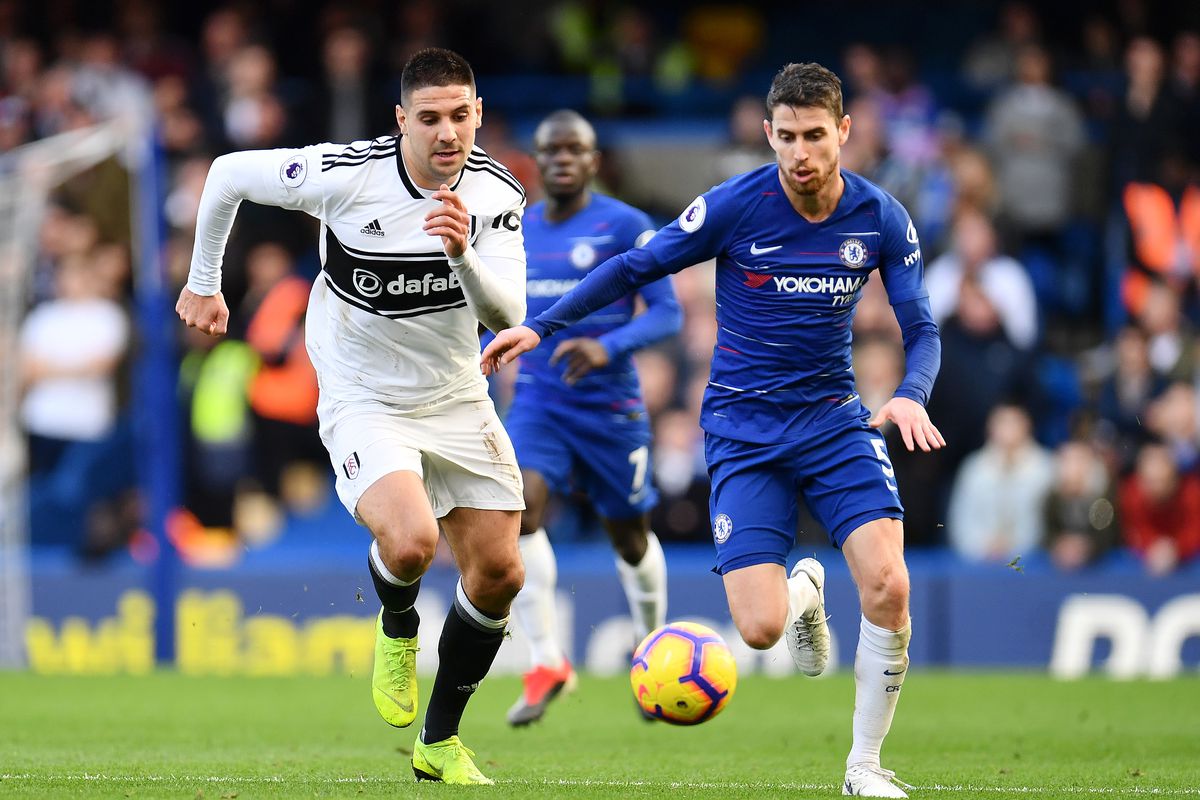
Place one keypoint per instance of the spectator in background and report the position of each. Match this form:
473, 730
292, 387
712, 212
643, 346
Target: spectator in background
63, 234
959, 181
1079, 518
1160, 510
419, 24
1124, 396
345, 106
71, 348
53, 102
214, 383
105, 86
1171, 340
974, 182
223, 35
746, 148
1185, 89
908, 109
181, 128
990, 61
252, 115
291, 463
996, 504
1098, 78
1147, 120
1161, 224
973, 255
868, 154
14, 123
1034, 132
980, 365
1171, 417
147, 48
20, 70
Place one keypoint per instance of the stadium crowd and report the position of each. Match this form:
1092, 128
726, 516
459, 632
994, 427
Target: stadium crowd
1050, 159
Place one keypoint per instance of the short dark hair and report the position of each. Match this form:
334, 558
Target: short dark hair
434, 66
799, 85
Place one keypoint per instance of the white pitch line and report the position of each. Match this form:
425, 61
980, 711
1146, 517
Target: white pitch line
584, 783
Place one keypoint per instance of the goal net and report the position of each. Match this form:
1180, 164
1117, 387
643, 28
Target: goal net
28, 177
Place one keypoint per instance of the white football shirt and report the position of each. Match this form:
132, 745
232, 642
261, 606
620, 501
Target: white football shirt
389, 319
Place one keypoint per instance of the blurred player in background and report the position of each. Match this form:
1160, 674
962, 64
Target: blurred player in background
577, 417
795, 242
421, 243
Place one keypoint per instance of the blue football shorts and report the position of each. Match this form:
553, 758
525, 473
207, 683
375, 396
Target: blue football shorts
841, 467
603, 453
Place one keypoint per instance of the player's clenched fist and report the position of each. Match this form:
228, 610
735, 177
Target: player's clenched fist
508, 344
209, 314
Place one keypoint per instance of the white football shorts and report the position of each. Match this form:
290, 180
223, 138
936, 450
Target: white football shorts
460, 449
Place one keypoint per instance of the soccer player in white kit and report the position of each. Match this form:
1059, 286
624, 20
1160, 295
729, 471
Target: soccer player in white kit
420, 242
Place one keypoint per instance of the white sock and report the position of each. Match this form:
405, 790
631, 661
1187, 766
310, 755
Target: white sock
533, 608
802, 596
879, 669
645, 585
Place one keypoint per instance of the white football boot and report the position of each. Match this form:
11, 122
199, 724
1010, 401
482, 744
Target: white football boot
872, 780
808, 636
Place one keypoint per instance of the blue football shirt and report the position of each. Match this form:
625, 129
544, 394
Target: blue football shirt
558, 256
786, 290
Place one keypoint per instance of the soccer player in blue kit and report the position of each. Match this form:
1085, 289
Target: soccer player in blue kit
795, 242
586, 385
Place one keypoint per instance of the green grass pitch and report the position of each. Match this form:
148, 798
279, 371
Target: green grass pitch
956, 736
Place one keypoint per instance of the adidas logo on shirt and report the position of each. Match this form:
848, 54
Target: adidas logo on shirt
372, 228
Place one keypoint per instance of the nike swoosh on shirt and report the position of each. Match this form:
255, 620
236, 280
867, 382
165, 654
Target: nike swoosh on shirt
755, 250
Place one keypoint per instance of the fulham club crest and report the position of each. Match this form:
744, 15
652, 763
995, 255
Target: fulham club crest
350, 466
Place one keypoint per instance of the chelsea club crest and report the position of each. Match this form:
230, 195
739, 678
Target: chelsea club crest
853, 253
583, 255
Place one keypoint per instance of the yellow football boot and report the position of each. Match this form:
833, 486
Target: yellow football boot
394, 683
448, 761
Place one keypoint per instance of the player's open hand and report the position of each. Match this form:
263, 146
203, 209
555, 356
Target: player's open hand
912, 420
583, 355
449, 221
508, 344
209, 314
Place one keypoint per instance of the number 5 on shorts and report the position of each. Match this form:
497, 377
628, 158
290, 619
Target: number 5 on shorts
885, 462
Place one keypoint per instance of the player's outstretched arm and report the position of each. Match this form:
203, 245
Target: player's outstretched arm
508, 345
208, 313
913, 421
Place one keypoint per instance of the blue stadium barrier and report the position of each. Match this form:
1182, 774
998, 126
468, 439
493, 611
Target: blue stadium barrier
311, 610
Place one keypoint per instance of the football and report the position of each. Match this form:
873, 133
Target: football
683, 673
